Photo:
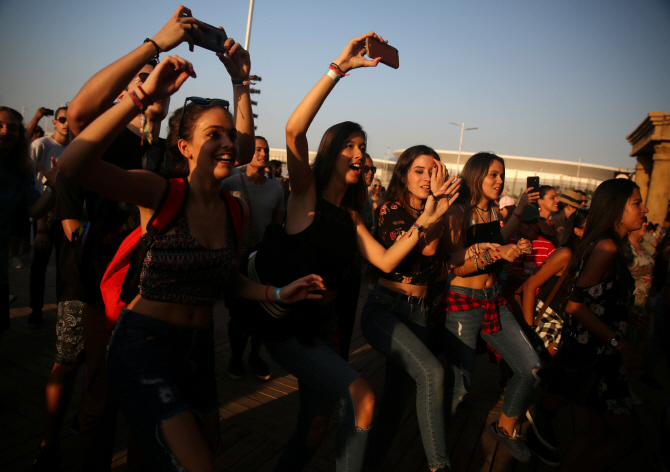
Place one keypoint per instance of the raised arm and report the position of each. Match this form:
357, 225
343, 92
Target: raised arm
527, 197
238, 65
99, 93
81, 161
30, 127
297, 151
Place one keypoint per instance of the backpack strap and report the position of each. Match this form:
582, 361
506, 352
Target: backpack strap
168, 207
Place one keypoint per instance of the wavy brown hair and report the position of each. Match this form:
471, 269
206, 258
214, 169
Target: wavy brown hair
179, 163
18, 157
332, 143
397, 190
472, 177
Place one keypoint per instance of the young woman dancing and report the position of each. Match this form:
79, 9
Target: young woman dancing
473, 302
323, 229
395, 316
550, 324
161, 357
548, 206
594, 357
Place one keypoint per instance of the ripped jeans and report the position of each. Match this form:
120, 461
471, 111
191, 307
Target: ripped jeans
323, 379
157, 370
462, 328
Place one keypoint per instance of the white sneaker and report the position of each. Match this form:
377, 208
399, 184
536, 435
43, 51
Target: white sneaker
16, 262
515, 444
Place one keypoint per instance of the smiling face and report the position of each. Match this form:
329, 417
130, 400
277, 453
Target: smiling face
261, 153
417, 180
633, 213
212, 149
549, 203
9, 130
368, 171
492, 185
350, 162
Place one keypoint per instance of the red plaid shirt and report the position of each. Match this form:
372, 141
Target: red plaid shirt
452, 301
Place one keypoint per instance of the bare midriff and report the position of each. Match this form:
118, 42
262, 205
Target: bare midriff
405, 289
179, 314
477, 282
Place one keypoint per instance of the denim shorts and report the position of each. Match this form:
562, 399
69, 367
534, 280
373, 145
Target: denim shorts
156, 371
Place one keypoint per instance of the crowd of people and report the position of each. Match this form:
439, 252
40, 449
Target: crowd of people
567, 299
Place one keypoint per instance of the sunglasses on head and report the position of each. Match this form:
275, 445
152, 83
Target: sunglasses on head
62, 119
142, 76
200, 101
367, 169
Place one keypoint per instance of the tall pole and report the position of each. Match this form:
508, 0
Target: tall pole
251, 14
460, 145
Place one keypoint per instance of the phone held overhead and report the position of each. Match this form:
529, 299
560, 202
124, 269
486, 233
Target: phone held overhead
375, 48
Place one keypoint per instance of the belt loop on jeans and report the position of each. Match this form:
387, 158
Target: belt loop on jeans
401, 296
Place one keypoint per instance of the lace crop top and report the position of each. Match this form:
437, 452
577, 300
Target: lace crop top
178, 269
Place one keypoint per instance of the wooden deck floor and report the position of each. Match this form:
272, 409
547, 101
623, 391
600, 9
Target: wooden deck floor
258, 417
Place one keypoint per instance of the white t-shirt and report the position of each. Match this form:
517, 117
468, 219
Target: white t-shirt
41, 152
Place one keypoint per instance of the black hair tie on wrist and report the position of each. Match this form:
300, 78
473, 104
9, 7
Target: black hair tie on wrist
158, 50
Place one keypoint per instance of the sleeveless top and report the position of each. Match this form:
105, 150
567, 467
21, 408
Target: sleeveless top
178, 269
484, 233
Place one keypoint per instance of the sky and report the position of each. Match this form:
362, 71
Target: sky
556, 79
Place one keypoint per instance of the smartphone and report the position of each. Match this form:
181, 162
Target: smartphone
533, 182
48, 112
213, 38
375, 48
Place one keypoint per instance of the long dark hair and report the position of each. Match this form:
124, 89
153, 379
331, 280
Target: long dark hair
397, 189
18, 157
330, 148
605, 214
178, 163
577, 220
472, 177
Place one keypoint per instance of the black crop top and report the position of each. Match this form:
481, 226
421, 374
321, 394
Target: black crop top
484, 233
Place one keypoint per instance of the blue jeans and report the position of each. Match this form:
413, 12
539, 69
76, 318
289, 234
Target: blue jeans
323, 378
462, 328
156, 371
397, 329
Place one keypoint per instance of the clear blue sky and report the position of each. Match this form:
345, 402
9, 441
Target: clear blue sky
563, 79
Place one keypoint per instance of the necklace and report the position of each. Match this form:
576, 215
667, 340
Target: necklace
418, 211
481, 215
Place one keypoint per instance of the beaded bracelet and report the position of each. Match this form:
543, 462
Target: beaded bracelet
487, 258
475, 260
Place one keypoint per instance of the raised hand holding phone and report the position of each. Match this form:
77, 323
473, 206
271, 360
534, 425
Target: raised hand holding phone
353, 55
387, 54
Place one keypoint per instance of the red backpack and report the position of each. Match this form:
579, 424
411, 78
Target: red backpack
120, 284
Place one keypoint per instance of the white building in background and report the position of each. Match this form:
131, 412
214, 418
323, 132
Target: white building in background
558, 174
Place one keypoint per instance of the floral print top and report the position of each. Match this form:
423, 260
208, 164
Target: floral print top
608, 300
393, 223
641, 264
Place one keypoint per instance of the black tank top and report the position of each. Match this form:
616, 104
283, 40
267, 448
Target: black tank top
484, 233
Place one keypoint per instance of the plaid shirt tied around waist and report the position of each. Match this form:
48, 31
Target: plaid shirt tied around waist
453, 301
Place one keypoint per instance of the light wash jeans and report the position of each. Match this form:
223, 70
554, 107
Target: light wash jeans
462, 328
397, 329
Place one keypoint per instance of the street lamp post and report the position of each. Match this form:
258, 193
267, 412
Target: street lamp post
460, 145
251, 14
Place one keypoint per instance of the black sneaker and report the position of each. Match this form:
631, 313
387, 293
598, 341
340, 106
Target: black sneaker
541, 426
47, 459
236, 369
546, 455
35, 318
259, 367
514, 444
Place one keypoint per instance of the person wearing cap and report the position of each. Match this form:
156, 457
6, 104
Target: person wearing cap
568, 203
507, 205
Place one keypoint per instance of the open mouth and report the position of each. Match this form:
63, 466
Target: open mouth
355, 167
